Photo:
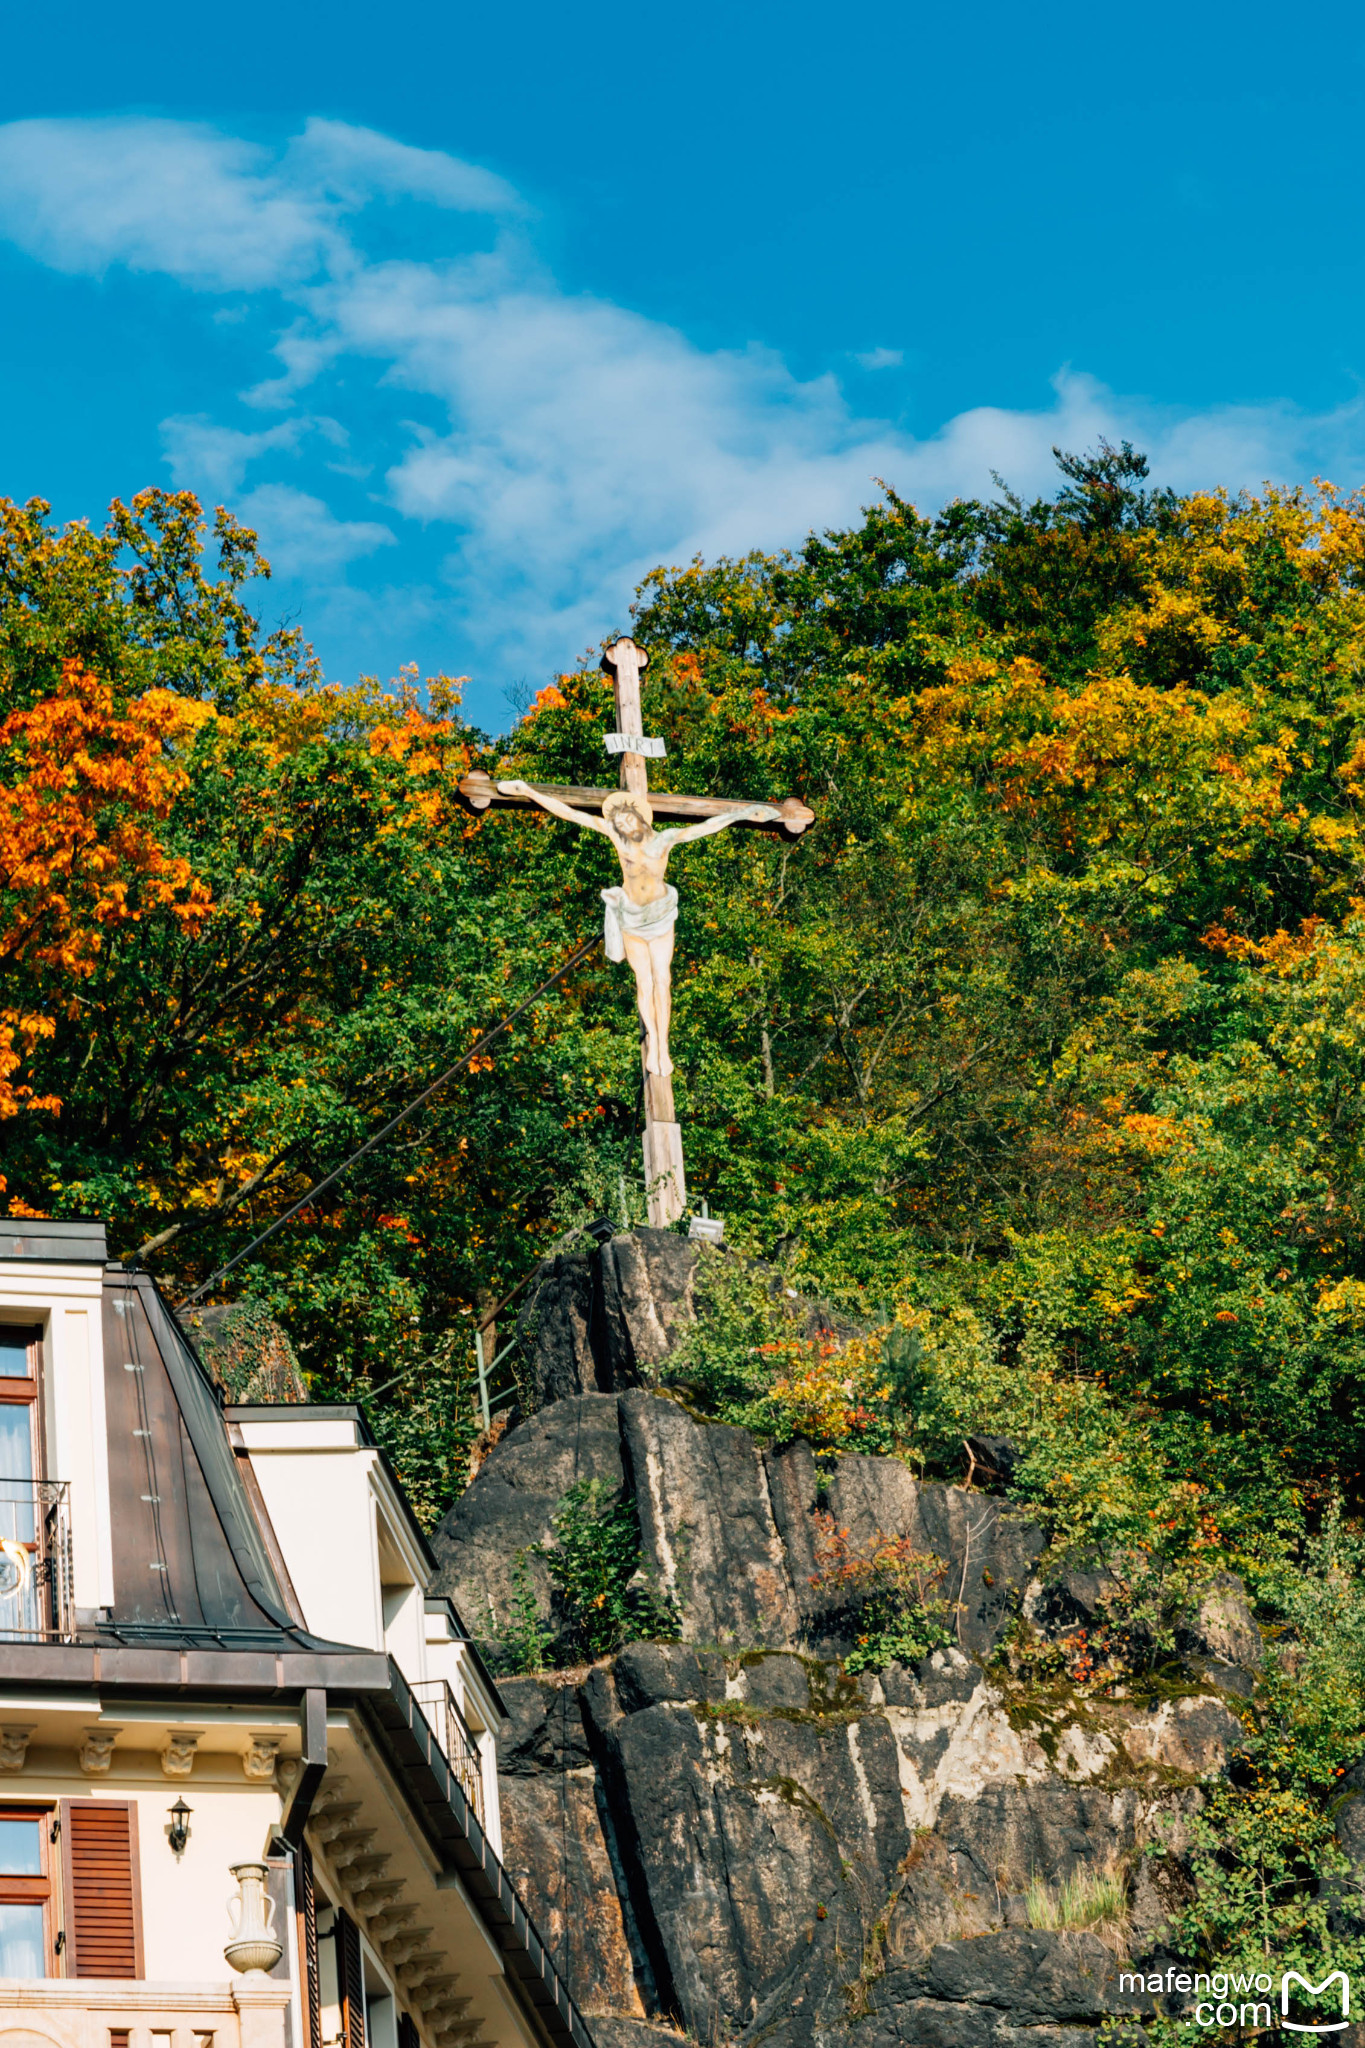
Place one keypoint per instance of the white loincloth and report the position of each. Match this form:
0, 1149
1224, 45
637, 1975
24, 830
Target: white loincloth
647, 920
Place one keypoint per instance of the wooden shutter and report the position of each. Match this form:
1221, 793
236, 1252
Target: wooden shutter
350, 1981
306, 1913
103, 1895
408, 2036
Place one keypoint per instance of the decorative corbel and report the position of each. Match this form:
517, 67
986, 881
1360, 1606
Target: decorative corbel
372, 1895
334, 1788
96, 1751
350, 1847
384, 1926
418, 1969
258, 1764
334, 1820
14, 1747
177, 1758
399, 1949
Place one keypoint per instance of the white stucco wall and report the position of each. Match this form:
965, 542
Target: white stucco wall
314, 1476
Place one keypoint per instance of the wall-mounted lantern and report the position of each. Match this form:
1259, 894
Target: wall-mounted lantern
178, 1833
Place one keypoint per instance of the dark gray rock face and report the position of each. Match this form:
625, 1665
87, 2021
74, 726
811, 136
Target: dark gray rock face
731, 1835
707, 1520
727, 1525
559, 1330
988, 1551
597, 1323
647, 1299
512, 1504
557, 1848
799, 1856
728, 1834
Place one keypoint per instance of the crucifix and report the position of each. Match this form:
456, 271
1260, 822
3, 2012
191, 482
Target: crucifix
642, 907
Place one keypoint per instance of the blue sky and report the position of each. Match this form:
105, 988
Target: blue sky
479, 313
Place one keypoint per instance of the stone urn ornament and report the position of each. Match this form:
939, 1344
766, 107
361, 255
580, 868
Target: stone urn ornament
253, 1948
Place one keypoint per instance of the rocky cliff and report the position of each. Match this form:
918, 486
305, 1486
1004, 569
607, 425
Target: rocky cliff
727, 1833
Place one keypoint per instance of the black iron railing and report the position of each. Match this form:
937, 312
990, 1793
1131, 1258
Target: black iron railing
36, 1594
451, 1730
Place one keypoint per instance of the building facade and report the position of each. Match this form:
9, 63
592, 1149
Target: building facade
248, 1787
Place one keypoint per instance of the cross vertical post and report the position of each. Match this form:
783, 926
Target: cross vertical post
624, 661
665, 1180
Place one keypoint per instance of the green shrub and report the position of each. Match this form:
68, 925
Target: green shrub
888, 1593
601, 1594
526, 1642
592, 1562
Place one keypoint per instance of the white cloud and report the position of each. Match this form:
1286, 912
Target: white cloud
158, 196
213, 460
353, 164
216, 212
301, 536
880, 359
578, 443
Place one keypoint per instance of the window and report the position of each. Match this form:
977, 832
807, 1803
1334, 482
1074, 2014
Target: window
20, 1598
26, 1934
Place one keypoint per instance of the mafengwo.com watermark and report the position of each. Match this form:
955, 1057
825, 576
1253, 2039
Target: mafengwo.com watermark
1232, 1999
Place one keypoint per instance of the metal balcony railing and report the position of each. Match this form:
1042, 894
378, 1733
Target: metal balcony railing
36, 1594
448, 1725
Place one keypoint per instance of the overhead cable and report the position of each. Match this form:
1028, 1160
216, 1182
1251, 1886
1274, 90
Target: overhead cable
566, 967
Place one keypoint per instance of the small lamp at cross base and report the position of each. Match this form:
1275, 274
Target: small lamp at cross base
706, 1228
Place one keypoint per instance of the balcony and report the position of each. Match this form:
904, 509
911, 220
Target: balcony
36, 1598
129, 2013
448, 1725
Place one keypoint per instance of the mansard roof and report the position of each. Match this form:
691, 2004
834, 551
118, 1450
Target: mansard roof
191, 1563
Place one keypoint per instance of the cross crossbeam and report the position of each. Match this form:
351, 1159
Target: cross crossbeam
479, 792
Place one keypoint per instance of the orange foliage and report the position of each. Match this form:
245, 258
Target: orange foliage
79, 783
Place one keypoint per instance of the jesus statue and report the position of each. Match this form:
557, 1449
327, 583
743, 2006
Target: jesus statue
642, 909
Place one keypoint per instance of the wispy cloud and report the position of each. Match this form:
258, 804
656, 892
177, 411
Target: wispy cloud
205, 456
564, 444
303, 536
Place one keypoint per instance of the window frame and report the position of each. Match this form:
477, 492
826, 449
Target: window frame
16, 1392
45, 1889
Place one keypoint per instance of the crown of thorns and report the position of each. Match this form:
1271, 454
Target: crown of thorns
626, 800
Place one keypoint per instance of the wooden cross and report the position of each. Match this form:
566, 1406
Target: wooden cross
664, 1173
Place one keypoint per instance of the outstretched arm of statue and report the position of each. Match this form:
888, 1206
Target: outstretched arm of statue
553, 805
743, 814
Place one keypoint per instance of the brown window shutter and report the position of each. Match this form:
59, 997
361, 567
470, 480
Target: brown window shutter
306, 1913
103, 1894
350, 1981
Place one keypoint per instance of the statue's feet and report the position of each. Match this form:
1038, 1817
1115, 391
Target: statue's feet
662, 1069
